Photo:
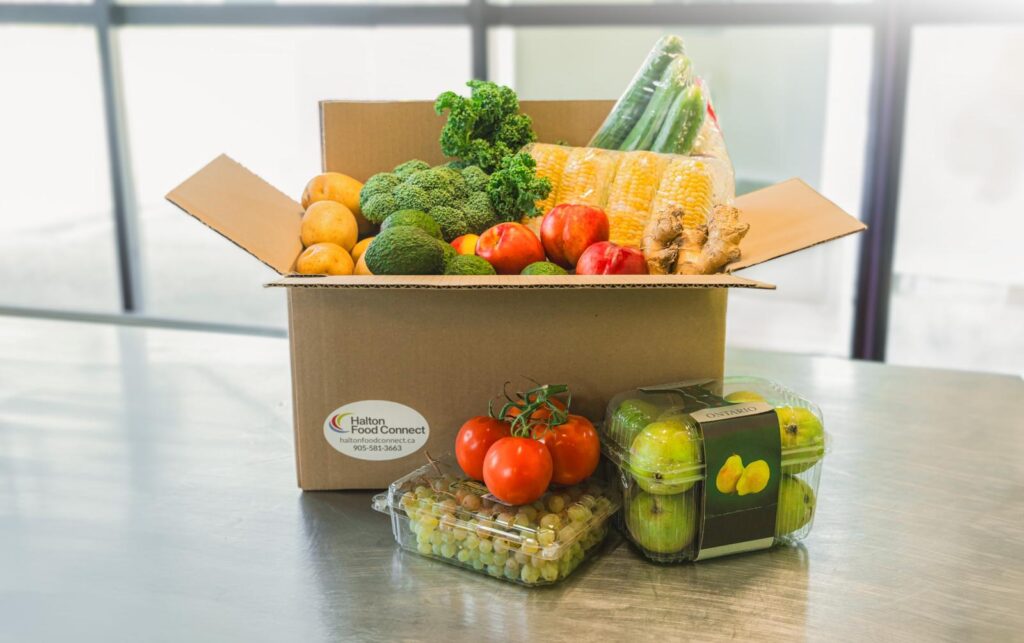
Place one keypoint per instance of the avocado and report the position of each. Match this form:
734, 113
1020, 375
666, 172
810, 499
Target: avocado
543, 268
417, 218
449, 253
404, 250
469, 265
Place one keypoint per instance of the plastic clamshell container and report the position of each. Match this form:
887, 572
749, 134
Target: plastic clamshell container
661, 494
438, 513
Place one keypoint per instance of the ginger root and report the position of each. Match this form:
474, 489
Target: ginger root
661, 243
672, 248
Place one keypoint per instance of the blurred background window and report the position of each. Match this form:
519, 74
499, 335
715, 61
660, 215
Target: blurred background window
795, 85
958, 287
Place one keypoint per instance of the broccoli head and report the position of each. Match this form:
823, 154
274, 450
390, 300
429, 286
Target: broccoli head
407, 169
479, 212
382, 183
379, 206
453, 180
442, 179
452, 221
475, 178
411, 197
485, 127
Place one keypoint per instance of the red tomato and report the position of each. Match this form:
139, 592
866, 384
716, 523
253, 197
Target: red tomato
474, 439
567, 230
575, 449
517, 470
509, 247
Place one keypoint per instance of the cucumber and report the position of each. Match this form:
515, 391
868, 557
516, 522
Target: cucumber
631, 104
680, 128
672, 83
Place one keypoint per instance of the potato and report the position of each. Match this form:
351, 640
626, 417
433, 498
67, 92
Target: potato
361, 268
325, 259
360, 248
329, 222
334, 186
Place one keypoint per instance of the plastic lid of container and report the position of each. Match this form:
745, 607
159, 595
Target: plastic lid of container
439, 493
649, 432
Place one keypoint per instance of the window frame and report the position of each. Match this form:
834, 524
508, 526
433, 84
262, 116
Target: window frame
891, 24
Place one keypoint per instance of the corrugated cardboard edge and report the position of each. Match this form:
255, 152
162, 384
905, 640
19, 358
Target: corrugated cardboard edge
520, 282
292, 354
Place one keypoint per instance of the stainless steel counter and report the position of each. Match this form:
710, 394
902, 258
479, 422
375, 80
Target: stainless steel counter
147, 493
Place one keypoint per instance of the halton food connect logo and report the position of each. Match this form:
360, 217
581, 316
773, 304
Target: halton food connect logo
370, 425
375, 429
335, 422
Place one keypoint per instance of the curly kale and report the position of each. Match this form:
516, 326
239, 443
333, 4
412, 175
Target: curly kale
484, 128
515, 188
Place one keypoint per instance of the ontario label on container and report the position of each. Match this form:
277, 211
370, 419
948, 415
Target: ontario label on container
743, 458
376, 430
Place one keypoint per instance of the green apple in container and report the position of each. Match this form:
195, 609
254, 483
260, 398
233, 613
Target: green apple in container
662, 524
630, 418
665, 456
796, 505
803, 438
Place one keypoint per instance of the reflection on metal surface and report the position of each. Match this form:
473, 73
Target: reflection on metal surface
147, 485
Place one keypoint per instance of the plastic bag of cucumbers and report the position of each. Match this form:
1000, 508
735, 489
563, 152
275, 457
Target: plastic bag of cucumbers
710, 468
665, 108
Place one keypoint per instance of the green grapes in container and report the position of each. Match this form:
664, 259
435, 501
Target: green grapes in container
438, 512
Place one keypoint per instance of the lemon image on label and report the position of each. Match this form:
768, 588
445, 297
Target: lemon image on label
754, 478
730, 474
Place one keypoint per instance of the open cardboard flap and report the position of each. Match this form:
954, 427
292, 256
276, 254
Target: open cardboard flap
245, 209
787, 217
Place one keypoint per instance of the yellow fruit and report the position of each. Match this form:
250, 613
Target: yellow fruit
729, 474
360, 248
325, 259
737, 397
361, 268
334, 186
754, 479
329, 222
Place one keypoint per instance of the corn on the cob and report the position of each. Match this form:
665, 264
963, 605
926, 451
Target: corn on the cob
588, 174
550, 164
629, 200
686, 184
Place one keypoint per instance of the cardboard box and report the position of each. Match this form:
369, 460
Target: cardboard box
387, 368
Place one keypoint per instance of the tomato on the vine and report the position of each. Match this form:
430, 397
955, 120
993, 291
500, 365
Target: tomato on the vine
540, 414
474, 439
574, 447
517, 470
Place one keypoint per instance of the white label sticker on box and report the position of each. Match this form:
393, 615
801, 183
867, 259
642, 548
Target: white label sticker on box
376, 430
